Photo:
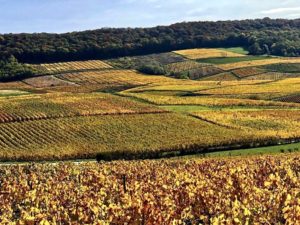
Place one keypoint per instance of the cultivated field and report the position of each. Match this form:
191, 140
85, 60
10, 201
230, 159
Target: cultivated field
47, 81
282, 124
14, 85
141, 135
136, 61
57, 105
291, 98
184, 66
246, 72
114, 77
226, 76
285, 87
253, 190
263, 62
83, 109
204, 53
208, 101
201, 132
74, 66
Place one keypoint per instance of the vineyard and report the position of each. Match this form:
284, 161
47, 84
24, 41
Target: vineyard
253, 190
74, 66
15, 85
173, 128
207, 53
90, 107
246, 72
255, 63
113, 77
282, 124
286, 86
37, 107
268, 76
114, 136
227, 76
184, 66
207, 101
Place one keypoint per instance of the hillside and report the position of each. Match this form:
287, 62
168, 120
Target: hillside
261, 36
178, 136
204, 100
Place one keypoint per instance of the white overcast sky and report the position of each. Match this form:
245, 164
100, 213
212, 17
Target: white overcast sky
74, 15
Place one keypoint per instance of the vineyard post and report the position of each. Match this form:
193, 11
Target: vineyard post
124, 183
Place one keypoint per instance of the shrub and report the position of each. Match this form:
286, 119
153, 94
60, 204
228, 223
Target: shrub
152, 69
11, 69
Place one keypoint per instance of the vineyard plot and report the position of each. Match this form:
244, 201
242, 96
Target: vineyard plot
210, 191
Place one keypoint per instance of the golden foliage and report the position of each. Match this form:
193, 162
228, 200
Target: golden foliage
203, 53
113, 77
60, 105
206, 101
73, 66
280, 124
274, 60
253, 190
286, 86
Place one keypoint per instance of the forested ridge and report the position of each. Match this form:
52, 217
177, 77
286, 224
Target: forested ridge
260, 36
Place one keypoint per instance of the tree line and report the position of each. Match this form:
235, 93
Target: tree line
260, 36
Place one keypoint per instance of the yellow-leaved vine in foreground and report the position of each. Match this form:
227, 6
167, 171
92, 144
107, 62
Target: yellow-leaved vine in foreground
250, 190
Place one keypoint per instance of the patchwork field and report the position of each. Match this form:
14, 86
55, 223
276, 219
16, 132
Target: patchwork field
221, 128
110, 109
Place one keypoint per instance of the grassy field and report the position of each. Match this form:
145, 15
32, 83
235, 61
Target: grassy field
289, 148
284, 68
226, 60
9, 93
238, 50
